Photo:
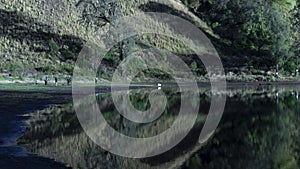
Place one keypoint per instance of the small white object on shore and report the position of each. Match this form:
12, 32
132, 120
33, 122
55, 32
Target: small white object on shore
159, 86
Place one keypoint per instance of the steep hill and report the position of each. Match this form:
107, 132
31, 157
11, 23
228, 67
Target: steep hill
39, 37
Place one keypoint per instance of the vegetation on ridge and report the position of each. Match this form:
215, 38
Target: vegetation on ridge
45, 38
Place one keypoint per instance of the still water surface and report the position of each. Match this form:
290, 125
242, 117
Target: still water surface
259, 129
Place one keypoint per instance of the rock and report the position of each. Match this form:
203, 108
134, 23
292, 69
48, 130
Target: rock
269, 73
262, 72
230, 74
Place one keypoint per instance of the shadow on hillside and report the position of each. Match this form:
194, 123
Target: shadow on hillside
14, 25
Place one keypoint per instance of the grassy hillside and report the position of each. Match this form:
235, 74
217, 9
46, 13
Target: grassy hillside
45, 38
40, 38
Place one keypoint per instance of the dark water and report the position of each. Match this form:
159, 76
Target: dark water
259, 129
14, 108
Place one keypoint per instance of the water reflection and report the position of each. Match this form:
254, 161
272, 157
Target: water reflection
13, 109
259, 129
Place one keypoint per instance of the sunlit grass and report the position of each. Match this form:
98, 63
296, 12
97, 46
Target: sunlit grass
30, 87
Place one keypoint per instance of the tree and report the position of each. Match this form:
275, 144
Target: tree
98, 12
257, 30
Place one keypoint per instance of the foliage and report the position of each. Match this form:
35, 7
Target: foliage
263, 33
262, 30
54, 48
194, 67
98, 12
251, 137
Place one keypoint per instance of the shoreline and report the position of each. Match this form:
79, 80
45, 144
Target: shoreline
15, 114
106, 87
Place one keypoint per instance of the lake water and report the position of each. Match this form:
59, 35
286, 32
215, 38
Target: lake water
259, 129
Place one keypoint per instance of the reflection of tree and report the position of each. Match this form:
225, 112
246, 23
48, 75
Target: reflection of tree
258, 137
56, 133
251, 135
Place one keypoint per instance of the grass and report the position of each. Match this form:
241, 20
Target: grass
30, 87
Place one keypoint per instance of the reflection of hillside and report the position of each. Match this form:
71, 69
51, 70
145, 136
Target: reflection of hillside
255, 131
56, 133
50, 137
258, 132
